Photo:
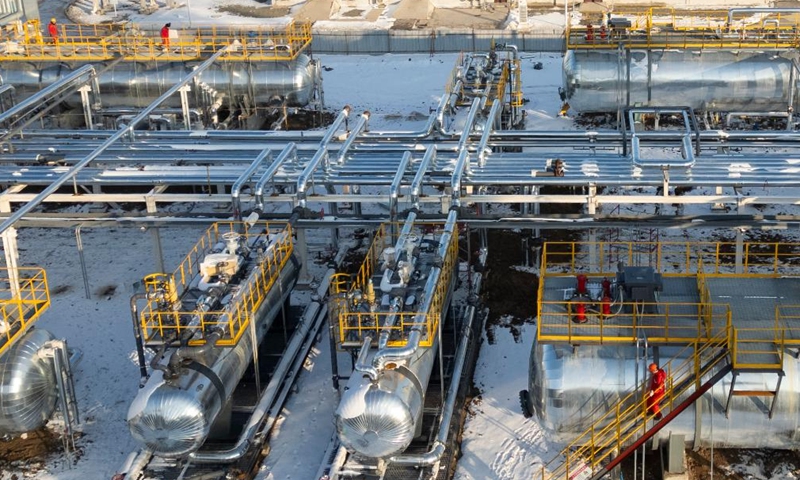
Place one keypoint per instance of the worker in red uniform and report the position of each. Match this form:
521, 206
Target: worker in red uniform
165, 35
656, 391
52, 29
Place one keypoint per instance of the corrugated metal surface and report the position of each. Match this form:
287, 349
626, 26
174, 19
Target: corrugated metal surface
431, 41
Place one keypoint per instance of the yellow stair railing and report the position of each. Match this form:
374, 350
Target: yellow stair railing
613, 430
22, 302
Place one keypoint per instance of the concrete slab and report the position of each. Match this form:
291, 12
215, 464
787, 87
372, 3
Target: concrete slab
413, 10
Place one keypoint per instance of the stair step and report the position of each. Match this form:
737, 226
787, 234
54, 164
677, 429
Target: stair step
754, 393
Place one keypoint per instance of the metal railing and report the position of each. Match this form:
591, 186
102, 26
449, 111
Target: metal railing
105, 42
354, 323
756, 259
675, 323
661, 27
21, 307
620, 426
163, 320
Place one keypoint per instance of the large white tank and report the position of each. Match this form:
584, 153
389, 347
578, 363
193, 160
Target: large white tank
597, 80
570, 387
28, 390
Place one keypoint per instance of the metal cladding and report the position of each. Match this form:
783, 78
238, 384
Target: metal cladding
598, 80
380, 420
173, 417
570, 386
132, 84
28, 390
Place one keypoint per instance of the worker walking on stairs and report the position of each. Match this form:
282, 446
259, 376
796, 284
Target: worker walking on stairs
656, 392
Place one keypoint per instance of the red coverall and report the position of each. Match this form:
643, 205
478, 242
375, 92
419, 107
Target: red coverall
165, 36
656, 393
52, 29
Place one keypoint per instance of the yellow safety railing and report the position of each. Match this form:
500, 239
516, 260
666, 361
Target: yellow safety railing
759, 259
21, 307
95, 43
661, 27
164, 321
619, 427
757, 348
679, 323
355, 323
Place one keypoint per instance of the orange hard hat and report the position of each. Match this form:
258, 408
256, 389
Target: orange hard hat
653, 367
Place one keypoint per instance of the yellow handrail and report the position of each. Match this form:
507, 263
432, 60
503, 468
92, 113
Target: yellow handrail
21, 307
164, 321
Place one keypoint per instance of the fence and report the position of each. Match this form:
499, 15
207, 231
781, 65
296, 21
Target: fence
431, 41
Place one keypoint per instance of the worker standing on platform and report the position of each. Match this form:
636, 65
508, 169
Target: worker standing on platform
656, 392
165, 35
52, 29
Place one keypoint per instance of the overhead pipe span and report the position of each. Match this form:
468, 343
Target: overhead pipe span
132, 84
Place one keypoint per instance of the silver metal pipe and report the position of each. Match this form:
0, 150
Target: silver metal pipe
470, 123
397, 354
416, 184
267, 398
288, 153
360, 127
361, 365
458, 173
73, 80
25, 209
320, 156
236, 190
394, 188
488, 127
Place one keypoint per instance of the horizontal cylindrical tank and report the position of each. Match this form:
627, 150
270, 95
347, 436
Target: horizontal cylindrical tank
28, 390
132, 84
571, 387
600, 81
173, 418
380, 420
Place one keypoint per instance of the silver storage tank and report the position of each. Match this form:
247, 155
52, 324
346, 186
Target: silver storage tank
174, 418
570, 387
137, 85
28, 390
597, 80
381, 420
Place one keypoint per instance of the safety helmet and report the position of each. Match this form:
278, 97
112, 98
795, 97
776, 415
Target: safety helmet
653, 367
53, 20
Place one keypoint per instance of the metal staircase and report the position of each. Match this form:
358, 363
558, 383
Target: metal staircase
692, 372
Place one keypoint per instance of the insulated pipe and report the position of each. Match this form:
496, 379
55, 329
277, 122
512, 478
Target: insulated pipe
397, 354
190, 353
288, 153
36, 99
320, 156
416, 184
247, 437
439, 446
137, 335
488, 127
25, 209
470, 123
394, 188
236, 190
360, 127
362, 366
441, 108
458, 173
